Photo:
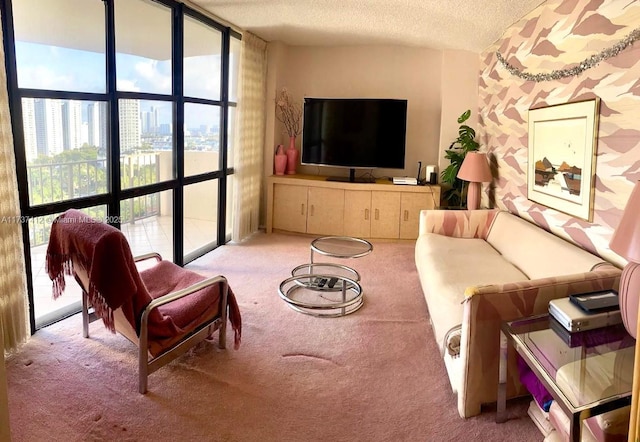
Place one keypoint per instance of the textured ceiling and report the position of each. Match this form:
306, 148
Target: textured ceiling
437, 24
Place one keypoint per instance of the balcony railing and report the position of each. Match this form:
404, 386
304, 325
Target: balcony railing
75, 179
61, 181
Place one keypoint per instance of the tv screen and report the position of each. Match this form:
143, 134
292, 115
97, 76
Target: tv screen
355, 133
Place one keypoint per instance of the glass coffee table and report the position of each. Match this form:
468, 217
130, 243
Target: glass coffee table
585, 378
327, 289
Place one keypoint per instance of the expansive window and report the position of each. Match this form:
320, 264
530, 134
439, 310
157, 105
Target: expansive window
123, 109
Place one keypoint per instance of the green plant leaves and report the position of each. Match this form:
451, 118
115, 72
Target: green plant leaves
464, 117
455, 154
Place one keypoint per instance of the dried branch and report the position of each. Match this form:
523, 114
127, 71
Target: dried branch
288, 113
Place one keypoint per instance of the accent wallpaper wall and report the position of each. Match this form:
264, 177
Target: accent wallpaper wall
559, 35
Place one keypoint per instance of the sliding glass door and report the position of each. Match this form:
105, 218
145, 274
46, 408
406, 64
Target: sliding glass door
120, 108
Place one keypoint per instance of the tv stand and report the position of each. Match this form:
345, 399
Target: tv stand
310, 204
351, 178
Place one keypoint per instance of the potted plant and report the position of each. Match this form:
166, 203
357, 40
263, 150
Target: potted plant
458, 149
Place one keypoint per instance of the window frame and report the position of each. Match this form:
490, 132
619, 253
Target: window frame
115, 194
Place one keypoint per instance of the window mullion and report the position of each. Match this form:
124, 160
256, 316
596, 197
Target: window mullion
223, 148
113, 152
178, 124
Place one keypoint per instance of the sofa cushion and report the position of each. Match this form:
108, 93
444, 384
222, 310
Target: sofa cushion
447, 266
536, 252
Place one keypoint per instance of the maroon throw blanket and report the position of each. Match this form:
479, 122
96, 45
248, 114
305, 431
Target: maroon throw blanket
114, 282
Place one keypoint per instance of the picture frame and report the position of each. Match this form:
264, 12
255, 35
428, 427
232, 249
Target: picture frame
562, 150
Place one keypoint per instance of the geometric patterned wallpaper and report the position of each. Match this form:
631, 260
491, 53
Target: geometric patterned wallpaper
557, 35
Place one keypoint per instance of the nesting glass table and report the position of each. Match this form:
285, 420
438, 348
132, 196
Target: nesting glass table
327, 289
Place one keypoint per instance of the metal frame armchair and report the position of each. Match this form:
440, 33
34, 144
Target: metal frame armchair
164, 310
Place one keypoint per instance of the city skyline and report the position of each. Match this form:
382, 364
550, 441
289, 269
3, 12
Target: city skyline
52, 126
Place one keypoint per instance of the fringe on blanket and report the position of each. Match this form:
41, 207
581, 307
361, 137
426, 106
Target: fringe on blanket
235, 319
59, 265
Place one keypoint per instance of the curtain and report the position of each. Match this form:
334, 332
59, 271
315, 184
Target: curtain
251, 126
13, 285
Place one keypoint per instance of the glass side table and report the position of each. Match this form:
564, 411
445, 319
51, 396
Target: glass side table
572, 375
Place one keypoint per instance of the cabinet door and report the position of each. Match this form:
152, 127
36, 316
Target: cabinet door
385, 207
410, 207
326, 211
357, 213
290, 208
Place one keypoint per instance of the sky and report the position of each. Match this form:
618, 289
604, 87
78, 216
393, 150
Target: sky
57, 68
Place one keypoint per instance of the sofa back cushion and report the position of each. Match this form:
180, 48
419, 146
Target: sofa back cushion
536, 252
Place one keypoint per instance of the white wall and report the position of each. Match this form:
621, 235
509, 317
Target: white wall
460, 71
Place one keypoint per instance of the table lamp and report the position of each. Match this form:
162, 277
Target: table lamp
475, 169
626, 243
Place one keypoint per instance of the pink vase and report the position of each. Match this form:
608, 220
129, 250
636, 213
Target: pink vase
280, 161
292, 156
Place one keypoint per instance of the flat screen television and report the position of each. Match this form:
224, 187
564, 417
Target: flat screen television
355, 133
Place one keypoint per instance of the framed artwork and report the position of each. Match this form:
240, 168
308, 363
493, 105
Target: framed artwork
562, 148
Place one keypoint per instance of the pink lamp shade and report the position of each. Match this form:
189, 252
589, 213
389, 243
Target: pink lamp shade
475, 169
626, 243
626, 239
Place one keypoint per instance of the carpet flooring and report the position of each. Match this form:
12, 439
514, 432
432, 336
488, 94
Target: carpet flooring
375, 375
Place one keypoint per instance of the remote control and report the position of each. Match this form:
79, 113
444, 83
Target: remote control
332, 282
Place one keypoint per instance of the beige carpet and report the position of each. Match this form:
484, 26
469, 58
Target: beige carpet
375, 375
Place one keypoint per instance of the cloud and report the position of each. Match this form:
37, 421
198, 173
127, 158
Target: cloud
202, 76
127, 85
150, 71
41, 77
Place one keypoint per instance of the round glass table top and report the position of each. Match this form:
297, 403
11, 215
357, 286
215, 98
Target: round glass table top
341, 246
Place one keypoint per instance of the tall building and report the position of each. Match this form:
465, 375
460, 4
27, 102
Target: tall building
166, 129
149, 121
97, 124
129, 111
48, 123
71, 124
29, 119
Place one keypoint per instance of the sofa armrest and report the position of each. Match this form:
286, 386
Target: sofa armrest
457, 223
487, 307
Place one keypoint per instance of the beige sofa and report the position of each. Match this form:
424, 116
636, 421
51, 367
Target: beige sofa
482, 267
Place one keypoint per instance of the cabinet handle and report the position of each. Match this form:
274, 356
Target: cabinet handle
366, 214
377, 214
312, 207
302, 209
406, 215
